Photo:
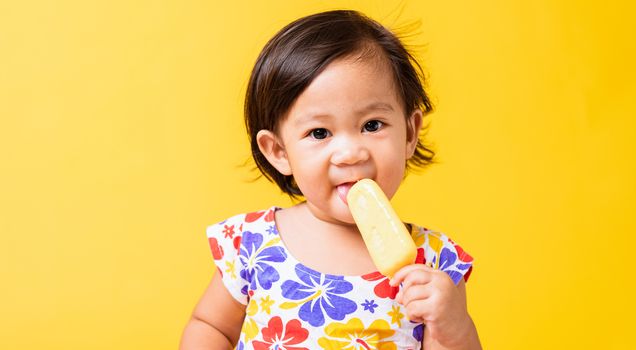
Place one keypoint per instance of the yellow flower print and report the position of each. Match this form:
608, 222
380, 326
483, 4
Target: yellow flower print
266, 303
252, 308
418, 235
250, 329
230, 269
436, 244
396, 315
354, 335
434, 241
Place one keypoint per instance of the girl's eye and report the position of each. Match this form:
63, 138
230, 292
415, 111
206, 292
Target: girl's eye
372, 125
319, 133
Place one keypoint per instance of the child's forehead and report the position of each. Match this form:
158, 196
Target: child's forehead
371, 78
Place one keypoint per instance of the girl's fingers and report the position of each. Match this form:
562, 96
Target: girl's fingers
417, 310
415, 293
416, 277
411, 274
398, 296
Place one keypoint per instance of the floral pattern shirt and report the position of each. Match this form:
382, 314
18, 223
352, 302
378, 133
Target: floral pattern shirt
291, 306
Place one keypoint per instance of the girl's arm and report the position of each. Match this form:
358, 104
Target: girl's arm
470, 340
216, 320
431, 297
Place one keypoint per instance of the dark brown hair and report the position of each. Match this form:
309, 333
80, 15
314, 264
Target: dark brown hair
299, 52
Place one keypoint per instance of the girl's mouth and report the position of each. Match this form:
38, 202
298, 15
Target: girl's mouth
343, 189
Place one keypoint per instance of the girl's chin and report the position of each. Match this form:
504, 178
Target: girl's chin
348, 219
342, 213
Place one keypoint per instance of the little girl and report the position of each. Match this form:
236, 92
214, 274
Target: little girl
333, 98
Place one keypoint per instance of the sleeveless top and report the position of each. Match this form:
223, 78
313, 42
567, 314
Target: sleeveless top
291, 306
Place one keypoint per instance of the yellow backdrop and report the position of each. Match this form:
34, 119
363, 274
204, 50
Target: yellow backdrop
121, 139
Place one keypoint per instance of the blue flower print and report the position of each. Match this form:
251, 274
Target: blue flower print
446, 259
256, 258
369, 305
447, 264
272, 230
317, 292
418, 332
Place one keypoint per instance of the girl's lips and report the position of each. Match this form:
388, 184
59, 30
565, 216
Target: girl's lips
343, 189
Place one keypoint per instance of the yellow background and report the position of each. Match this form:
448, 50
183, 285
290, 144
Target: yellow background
121, 139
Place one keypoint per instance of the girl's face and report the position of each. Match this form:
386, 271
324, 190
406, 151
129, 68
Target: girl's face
347, 125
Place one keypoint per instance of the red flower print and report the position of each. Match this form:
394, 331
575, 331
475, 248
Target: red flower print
270, 216
251, 217
228, 231
462, 255
382, 289
420, 258
277, 337
217, 250
467, 274
237, 242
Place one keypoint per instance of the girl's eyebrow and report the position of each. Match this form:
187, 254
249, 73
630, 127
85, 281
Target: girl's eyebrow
375, 106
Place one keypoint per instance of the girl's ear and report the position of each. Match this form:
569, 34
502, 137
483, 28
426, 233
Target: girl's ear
273, 149
413, 127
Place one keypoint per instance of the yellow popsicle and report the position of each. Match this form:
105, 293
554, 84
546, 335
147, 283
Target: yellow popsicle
389, 243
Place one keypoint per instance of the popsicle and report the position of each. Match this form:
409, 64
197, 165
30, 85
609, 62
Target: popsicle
389, 243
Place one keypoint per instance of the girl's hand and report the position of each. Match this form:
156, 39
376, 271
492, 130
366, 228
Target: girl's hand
430, 297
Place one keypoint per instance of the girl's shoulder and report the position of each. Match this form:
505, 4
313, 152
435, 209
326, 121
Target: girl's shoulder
229, 233
233, 241
439, 251
236, 225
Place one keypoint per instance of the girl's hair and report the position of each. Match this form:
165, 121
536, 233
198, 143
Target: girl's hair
299, 52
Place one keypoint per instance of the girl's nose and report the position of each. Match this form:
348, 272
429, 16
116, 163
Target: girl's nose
349, 152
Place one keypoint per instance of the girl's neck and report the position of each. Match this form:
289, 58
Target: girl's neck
325, 246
